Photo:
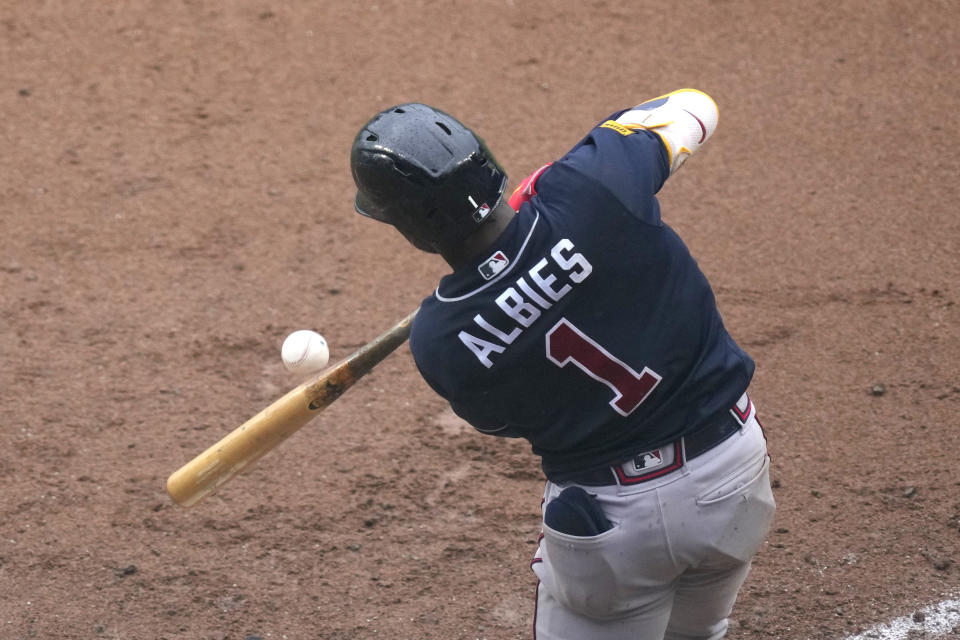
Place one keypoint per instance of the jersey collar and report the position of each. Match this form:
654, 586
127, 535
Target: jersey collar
466, 281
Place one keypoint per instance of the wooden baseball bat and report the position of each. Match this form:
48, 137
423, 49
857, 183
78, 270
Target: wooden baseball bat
257, 436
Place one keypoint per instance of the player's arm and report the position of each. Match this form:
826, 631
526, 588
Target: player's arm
631, 154
684, 120
465, 410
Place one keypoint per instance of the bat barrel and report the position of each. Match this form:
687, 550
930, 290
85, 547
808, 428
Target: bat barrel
240, 448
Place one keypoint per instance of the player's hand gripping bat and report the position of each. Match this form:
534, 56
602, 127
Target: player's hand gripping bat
250, 441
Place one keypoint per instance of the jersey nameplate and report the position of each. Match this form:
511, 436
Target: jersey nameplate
522, 304
616, 126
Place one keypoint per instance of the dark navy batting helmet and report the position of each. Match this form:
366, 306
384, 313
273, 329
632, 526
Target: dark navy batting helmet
422, 171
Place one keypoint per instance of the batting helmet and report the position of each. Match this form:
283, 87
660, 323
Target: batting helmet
422, 171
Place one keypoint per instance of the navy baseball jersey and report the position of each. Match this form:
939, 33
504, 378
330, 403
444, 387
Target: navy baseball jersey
589, 329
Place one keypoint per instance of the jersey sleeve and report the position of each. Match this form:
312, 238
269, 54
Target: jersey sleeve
630, 164
432, 363
469, 411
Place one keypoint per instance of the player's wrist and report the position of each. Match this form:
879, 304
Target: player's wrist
684, 120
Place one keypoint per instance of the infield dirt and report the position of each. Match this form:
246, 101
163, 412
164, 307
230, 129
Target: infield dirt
176, 199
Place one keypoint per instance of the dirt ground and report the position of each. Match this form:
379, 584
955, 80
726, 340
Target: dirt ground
176, 198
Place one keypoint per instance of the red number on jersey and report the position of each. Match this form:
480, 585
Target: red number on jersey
566, 343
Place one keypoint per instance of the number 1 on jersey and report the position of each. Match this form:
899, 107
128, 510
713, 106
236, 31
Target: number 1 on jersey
566, 343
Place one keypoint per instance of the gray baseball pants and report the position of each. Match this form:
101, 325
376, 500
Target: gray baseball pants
676, 557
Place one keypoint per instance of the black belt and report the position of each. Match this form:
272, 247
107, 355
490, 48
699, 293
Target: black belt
688, 447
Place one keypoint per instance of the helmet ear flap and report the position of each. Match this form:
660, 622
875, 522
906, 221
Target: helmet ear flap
422, 171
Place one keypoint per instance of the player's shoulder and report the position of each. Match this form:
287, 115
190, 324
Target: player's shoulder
424, 325
611, 169
425, 346
434, 326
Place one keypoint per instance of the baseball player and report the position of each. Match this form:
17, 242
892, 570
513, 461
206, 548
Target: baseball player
577, 319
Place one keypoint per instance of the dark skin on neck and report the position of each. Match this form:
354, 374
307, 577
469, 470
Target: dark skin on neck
482, 239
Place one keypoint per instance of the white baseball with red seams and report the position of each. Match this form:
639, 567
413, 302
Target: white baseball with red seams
305, 351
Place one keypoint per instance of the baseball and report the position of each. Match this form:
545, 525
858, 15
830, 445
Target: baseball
305, 351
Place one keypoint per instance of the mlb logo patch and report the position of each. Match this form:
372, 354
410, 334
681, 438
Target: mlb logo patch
482, 212
650, 465
648, 460
493, 265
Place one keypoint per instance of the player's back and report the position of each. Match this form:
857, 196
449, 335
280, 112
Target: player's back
588, 328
